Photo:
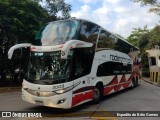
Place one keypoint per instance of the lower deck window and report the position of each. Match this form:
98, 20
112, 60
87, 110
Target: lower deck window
113, 68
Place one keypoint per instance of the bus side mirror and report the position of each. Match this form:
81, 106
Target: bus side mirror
11, 50
73, 44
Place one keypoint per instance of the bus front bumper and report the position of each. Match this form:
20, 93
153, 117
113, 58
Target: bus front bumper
57, 101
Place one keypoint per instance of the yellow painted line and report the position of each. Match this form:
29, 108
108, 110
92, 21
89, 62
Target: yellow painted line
102, 114
155, 76
158, 76
151, 76
99, 117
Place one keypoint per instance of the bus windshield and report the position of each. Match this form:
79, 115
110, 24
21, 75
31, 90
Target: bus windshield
48, 66
58, 32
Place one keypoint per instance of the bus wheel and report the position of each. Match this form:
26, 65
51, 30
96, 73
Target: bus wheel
137, 81
97, 95
133, 83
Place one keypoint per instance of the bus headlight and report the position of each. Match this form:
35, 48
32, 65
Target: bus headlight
64, 90
24, 87
60, 91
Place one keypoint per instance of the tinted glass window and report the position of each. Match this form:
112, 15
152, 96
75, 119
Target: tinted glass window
82, 62
106, 40
152, 61
89, 32
58, 32
124, 47
48, 66
113, 68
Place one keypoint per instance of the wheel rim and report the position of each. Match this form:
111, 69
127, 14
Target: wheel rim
96, 94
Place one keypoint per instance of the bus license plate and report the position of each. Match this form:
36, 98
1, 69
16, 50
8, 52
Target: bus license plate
39, 102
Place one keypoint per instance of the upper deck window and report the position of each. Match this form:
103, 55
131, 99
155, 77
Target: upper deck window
88, 32
105, 40
58, 32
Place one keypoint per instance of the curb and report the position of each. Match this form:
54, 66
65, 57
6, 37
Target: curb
150, 82
9, 89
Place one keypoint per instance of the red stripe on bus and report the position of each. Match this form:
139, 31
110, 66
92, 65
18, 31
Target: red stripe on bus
130, 78
126, 85
114, 81
87, 88
107, 90
117, 87
123, 79
82, 97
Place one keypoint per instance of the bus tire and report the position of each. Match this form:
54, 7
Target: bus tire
137, 81
133, 85
97, 95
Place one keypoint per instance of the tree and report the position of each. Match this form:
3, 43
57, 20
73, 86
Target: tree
145, 39
140, 38
154, 4
19, 21
57, 6
134, 38
154, 37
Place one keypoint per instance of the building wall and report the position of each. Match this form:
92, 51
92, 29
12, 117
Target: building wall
154, 69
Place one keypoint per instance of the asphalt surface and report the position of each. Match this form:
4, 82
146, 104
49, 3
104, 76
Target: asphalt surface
145, 97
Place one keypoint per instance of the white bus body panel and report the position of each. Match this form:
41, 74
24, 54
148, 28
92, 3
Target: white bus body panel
104, 56
83, 92
47, 98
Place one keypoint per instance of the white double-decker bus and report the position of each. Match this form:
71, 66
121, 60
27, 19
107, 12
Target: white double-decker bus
75, 61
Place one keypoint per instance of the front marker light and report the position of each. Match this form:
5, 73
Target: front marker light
61, 101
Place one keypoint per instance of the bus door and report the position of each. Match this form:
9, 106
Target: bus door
82, 85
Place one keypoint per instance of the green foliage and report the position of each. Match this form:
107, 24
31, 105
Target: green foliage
136, 34
146, 2
145, 39
154, 37
19, 22
57, 6
154, 5
21, 19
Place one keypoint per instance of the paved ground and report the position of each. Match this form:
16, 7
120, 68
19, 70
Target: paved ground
146, 79
146, 97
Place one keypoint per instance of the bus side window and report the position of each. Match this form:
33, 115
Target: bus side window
89, 32
105, 40
105, 69
113, 68
78, 68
